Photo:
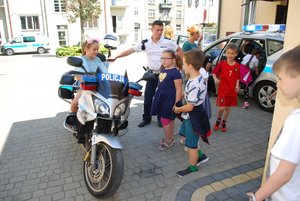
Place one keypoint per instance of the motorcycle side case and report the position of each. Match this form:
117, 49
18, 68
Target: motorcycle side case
66, 90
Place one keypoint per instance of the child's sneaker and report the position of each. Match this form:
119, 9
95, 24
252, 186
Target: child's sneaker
202, 159
216, 127
185, 172
224, 128
246, 105
217, 124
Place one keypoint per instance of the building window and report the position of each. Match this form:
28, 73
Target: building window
59, 6
179, 2
30, 22
178, 27
136, 11
120, 22
151, 13
203, 2
92, 24
211, 2
151, 1
178, 14
136, 35
165, 13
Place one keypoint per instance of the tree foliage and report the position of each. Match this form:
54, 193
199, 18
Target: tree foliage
84, 10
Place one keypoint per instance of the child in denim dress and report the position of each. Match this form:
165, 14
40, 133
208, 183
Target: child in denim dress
169, 92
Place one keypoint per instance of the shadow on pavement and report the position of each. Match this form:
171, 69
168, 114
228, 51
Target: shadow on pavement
41, 160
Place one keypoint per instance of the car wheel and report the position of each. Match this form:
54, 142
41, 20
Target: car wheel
262, 95
41, 50
9, 52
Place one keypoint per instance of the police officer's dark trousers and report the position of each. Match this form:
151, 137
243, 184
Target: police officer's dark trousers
151, 86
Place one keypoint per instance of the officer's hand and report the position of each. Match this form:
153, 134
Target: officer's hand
111, 59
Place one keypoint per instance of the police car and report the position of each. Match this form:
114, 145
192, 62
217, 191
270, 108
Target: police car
269, 40
26, 43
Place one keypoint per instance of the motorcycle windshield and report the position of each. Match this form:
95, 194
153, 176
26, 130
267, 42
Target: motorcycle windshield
114, 82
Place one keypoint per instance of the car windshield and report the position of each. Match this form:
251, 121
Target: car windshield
16, 40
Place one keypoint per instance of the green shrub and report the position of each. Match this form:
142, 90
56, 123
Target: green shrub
75, 50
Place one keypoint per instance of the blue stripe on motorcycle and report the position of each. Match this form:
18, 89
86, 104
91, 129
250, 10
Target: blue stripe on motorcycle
67, 87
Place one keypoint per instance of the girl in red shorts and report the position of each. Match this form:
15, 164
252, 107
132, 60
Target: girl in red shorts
226, 75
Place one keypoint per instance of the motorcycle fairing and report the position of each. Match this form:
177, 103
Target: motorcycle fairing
113, 84
85, 103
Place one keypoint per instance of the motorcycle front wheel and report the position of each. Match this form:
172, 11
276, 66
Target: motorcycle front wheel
105, 179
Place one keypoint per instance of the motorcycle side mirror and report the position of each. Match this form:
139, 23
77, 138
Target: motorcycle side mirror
148, 76
74, 61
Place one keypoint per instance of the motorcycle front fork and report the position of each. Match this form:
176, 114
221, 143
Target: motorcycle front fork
90, 155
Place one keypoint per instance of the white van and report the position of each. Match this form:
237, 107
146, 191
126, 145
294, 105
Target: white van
26, 43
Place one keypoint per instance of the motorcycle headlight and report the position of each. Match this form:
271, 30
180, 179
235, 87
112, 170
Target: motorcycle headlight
101, 107
120, 109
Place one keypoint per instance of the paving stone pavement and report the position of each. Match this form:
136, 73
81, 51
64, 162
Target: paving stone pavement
42, 161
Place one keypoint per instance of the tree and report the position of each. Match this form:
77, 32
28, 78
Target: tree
85, 10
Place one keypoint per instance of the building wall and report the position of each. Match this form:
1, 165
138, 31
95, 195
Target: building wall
283, 107
265, 12
3, 32
139, 19
193, 15
17, 9
50, 21
231, 17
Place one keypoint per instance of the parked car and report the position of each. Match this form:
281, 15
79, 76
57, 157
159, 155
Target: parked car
26, 43
269, 40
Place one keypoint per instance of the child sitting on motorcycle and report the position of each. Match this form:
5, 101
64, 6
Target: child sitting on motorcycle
91, 63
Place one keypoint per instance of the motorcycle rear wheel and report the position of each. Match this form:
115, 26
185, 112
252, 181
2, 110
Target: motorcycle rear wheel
106, 178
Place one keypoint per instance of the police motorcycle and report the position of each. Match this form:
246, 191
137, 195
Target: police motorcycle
103, 110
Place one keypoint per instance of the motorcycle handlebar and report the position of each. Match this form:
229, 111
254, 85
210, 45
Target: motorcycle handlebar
73, 72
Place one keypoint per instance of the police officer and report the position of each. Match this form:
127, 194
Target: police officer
153, 47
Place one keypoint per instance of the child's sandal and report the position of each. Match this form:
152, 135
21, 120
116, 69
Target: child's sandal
165, 146
162, 141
